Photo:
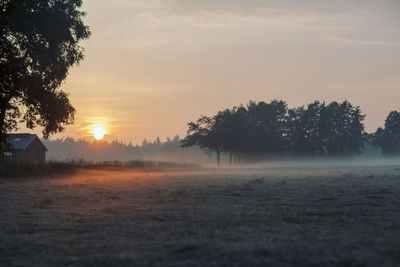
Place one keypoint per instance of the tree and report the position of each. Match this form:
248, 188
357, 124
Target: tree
342, 130
263, 129
269, 126
234, 132
242, 132
335, 129
206, 135
304, 130
39, 43
388, 139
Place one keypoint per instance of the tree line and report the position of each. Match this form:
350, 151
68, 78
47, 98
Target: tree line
260, 130
388, 138
98, 151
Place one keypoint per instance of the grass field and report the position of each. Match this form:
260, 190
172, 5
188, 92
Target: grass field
242, 217
18, 169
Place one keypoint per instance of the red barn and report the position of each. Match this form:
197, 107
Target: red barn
25, 147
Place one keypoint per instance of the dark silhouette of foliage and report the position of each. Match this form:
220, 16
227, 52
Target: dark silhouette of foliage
345, 134
262, 130
38, 44
206, 135
335, 129
241, 131
388, 139
268, 122
233, 132
304, 130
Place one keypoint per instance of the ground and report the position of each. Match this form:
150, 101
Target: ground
243, 217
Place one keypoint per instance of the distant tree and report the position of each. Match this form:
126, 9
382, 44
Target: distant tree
38, 44
304, 130
262, 129
257, 129
357, 135
342, 130
151, 149
233, 131
388, 139
68, 148
157, 141
206, 135
335, 129
171, 150
269, 126
144, 142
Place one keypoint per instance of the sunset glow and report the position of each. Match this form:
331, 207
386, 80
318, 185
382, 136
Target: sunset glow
98, 132
151, 67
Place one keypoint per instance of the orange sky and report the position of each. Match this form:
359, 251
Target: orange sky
151, 66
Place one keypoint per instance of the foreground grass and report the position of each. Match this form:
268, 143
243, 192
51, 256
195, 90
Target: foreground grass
17, 169
272, 217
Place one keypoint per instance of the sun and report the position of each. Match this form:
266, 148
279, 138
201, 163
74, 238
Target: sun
98, 132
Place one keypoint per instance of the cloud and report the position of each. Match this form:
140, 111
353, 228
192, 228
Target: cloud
363, 42
273, 8
336, 17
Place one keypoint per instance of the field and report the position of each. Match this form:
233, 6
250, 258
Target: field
211, 217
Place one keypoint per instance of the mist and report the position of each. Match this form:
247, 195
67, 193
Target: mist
171, 151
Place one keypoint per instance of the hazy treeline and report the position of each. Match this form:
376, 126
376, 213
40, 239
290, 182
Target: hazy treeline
255, 132
170, 150
388, 138
260, 130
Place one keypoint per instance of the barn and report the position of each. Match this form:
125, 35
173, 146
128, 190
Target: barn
25, 148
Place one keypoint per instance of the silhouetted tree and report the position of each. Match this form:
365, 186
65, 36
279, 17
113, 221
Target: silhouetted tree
335, 129
204, 134
38, 44
388, 139
342, 129
304, 130
257, 129
262, 129
269, 126
233, 129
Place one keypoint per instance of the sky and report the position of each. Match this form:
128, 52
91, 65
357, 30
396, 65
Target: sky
151, 66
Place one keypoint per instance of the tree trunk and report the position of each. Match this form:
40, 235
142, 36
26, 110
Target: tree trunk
2, 131
230, 159
218, 157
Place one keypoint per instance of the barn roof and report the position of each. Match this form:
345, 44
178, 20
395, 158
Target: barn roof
21, 141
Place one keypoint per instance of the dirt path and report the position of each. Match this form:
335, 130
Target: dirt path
282, 217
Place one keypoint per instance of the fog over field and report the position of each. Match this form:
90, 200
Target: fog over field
281, 216
170, 150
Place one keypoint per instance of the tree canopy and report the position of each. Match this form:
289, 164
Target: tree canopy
261, 130
39, 42
335, 129
388, 138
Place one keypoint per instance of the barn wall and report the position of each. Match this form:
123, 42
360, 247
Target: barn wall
35, 152
17, 155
